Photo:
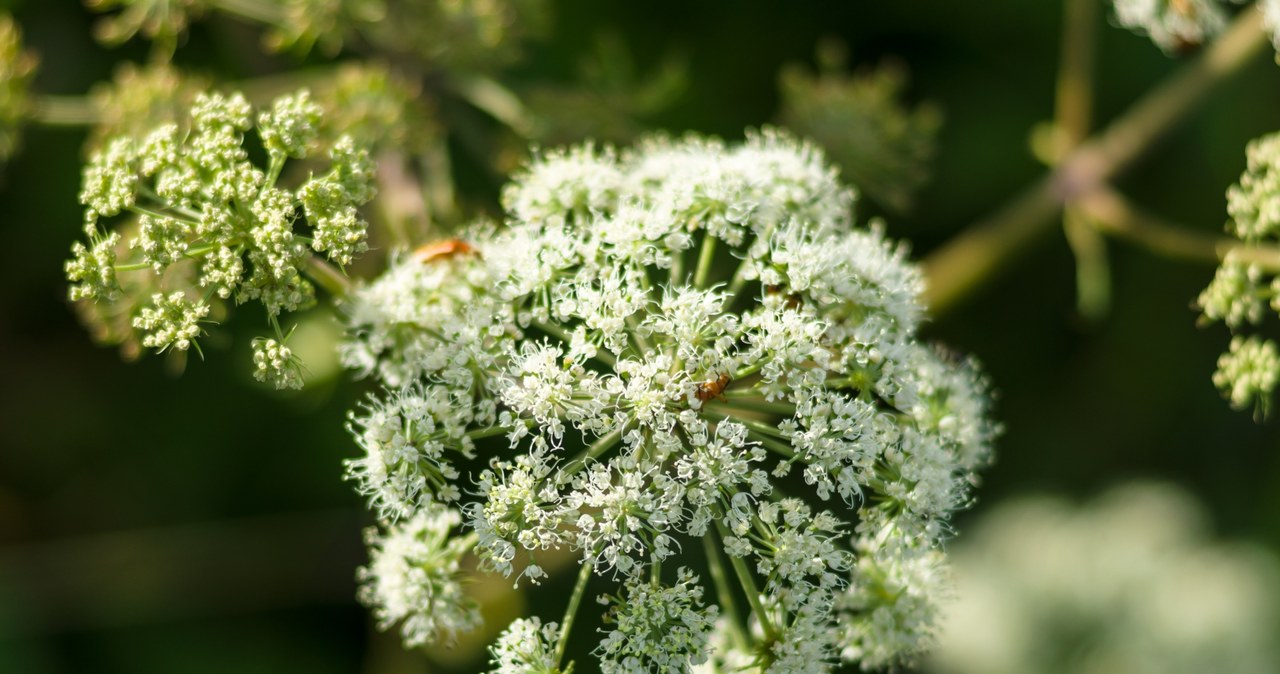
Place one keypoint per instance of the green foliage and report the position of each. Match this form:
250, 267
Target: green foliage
17, 68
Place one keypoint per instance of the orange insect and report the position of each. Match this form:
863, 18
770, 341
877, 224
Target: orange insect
712, 388
442, 249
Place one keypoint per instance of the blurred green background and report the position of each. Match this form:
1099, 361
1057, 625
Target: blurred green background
151, 523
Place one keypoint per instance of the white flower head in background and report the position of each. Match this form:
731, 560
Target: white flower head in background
1130, 582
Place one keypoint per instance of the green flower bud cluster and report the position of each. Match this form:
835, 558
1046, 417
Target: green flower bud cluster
208, 225
275, 364
468, 35
1247, 372
882, 146
17, 67
1246, 286
306, 24
155, 19
454, 34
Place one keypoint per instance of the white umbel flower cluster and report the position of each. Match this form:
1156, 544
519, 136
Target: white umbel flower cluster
683, 341
656, 628
211, 226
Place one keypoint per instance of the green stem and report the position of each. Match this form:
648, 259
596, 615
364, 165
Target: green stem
200, 251
274, 167
143, 210
1093, 271
785, 409
1074, 108
641, 342
724, 595
486, 432
748, 586
328, 276
676, 276
705, 257
1074, 102
579, 589
749, 370
973, 257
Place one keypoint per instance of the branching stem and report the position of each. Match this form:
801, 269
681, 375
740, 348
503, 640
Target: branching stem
973, 257
1114, 215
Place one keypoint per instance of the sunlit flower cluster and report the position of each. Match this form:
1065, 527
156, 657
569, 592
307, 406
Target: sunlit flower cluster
687, 340
205, 225
1246, 289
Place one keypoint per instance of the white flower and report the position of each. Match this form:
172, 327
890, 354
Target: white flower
889, 611
656, 628
1172, 24
413, 578
526, 647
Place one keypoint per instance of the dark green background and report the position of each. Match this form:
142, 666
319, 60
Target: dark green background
150, 523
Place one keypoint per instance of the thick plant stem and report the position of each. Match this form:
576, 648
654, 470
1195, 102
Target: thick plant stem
973, 257
1074, 103
570, 613
1114, 215
1072, 114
